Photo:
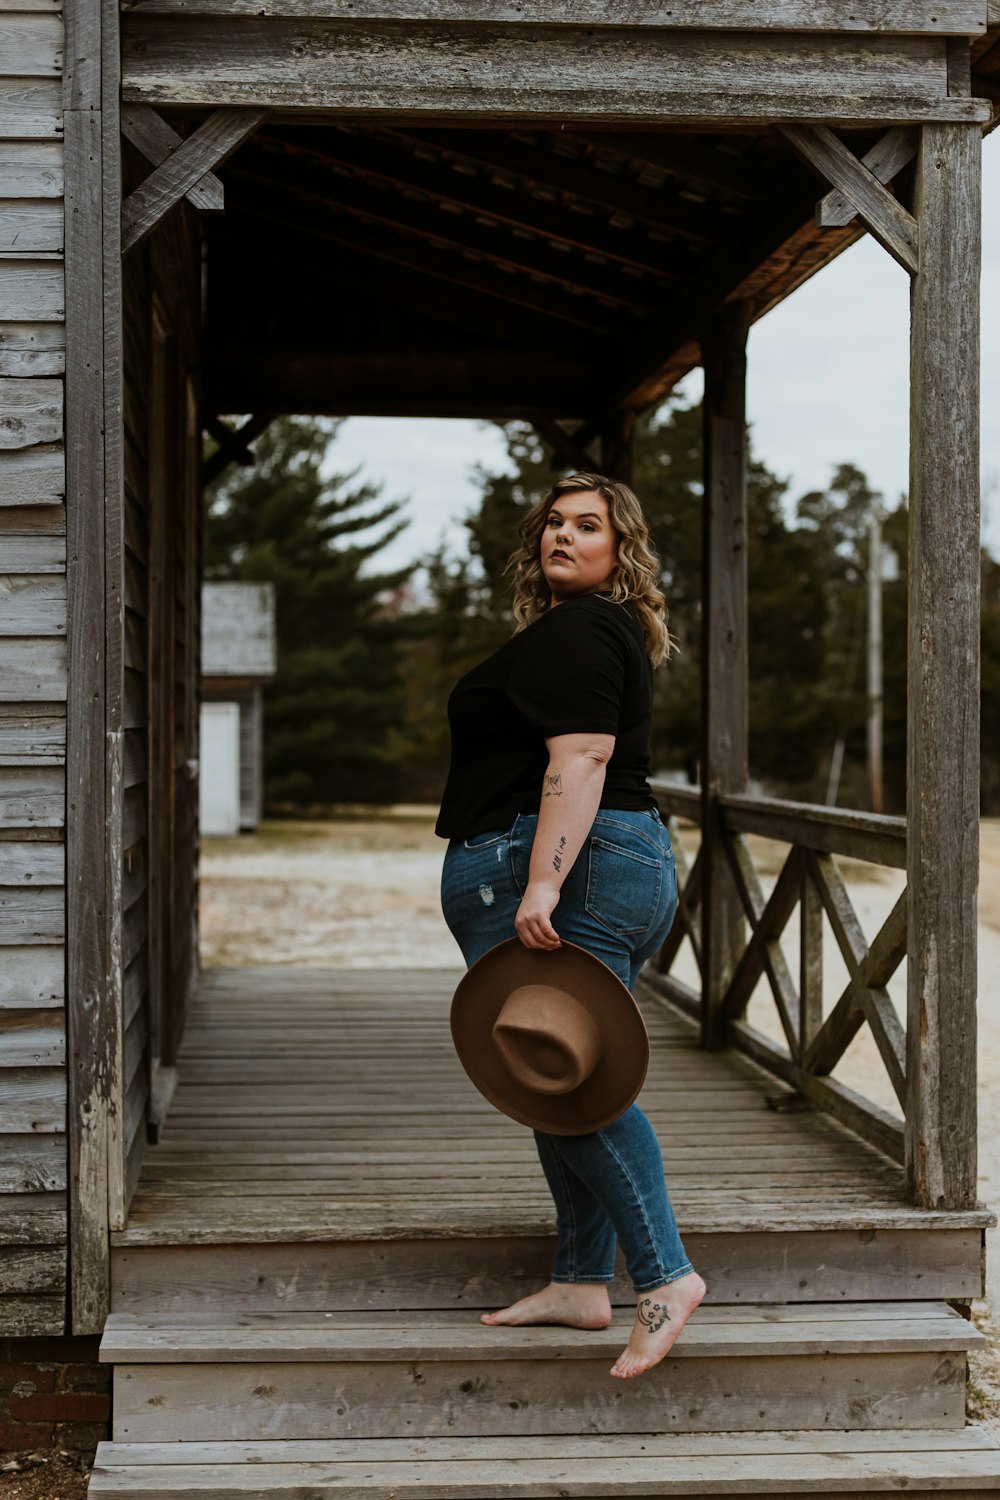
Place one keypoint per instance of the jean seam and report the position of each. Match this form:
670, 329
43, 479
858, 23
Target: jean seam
641, 1206
572, 1209
686, 1269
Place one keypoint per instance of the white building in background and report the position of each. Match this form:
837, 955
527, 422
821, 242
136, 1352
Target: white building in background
237, 658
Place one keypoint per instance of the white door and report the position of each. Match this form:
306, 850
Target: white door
219, 768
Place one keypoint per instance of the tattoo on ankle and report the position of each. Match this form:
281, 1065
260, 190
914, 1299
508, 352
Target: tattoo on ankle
652, 1315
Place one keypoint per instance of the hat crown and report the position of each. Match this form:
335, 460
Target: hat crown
547, 1039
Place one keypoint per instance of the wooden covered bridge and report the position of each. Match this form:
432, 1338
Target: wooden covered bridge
247, 1182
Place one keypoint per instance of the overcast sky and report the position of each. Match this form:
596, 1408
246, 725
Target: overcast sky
827, 382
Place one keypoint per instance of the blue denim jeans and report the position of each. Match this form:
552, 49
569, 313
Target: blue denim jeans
618, 902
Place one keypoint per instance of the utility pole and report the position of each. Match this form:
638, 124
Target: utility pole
875, 661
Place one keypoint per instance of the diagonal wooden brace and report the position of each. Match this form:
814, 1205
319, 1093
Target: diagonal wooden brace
150, 134
564, 449
208, 147
233, 444
885, 218
889, 154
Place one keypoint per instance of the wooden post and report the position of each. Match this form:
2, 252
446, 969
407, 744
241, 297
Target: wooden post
724, 645
616, 445
943, 698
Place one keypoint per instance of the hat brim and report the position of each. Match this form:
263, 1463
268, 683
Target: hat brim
624, 1052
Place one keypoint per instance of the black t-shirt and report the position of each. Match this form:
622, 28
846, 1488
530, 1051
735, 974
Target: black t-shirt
580, 668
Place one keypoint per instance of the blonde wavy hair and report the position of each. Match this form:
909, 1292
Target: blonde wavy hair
636, 571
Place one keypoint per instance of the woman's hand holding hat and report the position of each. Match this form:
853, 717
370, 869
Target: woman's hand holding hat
533, 921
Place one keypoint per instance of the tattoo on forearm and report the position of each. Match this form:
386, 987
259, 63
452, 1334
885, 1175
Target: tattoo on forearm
553, 785
652, 1315
557, 859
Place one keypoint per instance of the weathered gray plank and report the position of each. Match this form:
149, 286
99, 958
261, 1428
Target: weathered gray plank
32, 476
41, 551
31, 411
31, 797
33, 1099
32, 291
723, 648
287, 64
32, 605
32, 916
33, 668
30, 228
31, 1039
943, 675
33, 1268
33, 45
33, 1219
33, 1316
866, 836
33, 1164
30, 109
32, 976
90, 841
31, 169
32, 733
964, 17
31, 348
881, 213
523, 1396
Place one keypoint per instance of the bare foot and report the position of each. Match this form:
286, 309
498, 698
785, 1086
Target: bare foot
575, 1304
659, 1318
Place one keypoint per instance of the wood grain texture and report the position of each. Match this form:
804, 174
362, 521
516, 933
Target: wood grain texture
883, 216
31, 411
724, 648
33, 44
150, 134
943, 700
361, 67
964, 17
33, 476
890, 153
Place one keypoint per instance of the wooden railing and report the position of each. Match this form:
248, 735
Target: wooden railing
808, 879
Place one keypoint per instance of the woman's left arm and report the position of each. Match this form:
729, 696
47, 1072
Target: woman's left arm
571, 795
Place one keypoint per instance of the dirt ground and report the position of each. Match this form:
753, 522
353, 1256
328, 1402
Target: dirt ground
362, 891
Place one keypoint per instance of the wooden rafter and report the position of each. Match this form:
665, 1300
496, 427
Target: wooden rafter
418, 255
456, 231
567, 174
150, 134
707, 166
386, 160
206, 148
886, 218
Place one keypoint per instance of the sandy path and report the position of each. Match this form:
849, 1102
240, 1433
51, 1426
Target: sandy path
363, 893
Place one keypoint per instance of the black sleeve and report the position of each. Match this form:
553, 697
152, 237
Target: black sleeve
570, 677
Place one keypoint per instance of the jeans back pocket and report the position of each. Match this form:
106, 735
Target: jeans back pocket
623, 886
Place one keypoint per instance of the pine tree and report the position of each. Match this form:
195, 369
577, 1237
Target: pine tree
337, 697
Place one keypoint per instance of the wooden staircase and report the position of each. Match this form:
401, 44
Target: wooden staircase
296, 1316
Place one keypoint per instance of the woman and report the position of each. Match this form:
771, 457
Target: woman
553, 833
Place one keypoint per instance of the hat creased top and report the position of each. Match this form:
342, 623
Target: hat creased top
548, 1041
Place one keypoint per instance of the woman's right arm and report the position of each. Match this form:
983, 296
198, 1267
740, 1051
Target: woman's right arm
571, 795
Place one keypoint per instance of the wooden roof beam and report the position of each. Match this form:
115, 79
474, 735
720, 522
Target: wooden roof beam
682, 157
460, 231
879, 211
567, 174
917, 17
419, 255
375, 156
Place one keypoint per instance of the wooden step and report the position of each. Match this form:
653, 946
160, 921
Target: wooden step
753, 1465
935, 1257
392, 1375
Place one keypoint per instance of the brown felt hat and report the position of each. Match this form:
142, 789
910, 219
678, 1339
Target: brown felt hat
550, 1036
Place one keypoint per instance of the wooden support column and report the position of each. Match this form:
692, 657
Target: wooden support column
616, 445
943, 683
724, 645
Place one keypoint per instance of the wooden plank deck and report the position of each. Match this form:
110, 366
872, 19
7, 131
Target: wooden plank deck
329, 1105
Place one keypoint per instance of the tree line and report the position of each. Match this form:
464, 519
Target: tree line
366, 658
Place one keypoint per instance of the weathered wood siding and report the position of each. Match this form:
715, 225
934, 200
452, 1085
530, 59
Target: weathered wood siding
161, 427
32, 676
